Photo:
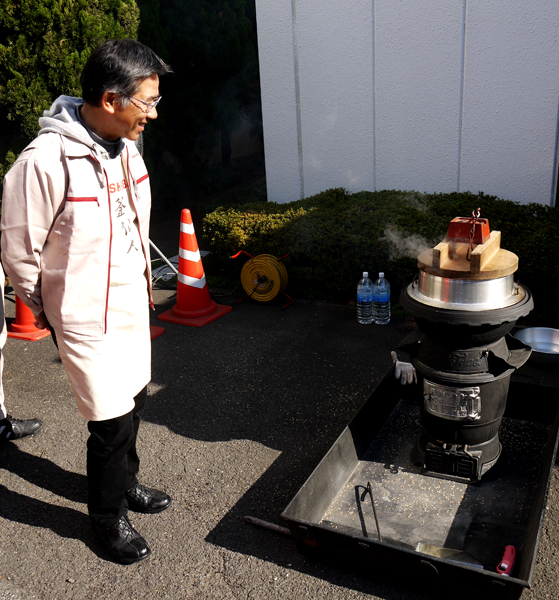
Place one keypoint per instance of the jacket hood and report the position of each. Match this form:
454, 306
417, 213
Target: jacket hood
63, 117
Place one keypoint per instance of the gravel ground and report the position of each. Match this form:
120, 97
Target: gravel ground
240, 412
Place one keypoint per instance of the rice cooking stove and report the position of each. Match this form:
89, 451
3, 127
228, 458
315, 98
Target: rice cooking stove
465, 302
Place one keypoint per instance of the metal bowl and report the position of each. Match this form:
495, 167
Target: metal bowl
544, 342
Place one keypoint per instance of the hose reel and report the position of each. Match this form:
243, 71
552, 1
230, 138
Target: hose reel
264, 277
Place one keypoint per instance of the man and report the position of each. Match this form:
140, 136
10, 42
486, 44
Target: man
10, 428
75, 222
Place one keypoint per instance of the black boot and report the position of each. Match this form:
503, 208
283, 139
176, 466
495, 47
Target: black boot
15, 429
121, 539
146, 500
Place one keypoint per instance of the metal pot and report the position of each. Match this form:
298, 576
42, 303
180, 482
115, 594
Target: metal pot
466, 294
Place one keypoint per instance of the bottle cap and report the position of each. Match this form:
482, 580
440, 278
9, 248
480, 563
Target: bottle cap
381, 274
365, 274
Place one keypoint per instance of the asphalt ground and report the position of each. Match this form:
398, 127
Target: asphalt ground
239, 414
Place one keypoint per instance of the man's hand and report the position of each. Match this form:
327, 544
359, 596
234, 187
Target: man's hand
41, 321
405, 371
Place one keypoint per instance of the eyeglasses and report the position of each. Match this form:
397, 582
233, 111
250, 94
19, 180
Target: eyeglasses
149, 106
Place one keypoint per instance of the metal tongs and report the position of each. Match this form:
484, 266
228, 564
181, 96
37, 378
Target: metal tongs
369, 491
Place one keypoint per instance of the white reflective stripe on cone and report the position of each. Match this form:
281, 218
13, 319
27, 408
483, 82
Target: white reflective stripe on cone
189, 255
187, 228
192, 281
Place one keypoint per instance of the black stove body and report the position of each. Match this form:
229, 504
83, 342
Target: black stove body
464, 363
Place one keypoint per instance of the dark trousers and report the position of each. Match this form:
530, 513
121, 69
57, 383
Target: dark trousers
112, 463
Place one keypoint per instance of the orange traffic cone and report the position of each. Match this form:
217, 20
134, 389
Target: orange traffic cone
23, 328
194, 306
155, 331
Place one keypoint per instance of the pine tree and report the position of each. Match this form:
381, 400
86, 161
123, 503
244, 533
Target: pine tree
43, 47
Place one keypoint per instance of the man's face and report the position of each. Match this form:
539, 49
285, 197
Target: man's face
129, 122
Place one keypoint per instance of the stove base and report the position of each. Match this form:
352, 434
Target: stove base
466, 464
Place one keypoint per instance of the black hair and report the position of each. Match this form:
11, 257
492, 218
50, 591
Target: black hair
119, 66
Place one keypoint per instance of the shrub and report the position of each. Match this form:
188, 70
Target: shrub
334, 236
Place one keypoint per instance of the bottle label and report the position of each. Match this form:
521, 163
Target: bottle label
381, 297
364, 296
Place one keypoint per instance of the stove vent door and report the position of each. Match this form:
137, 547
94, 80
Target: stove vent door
456, 404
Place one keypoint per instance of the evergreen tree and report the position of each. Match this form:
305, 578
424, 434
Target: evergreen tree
43, 47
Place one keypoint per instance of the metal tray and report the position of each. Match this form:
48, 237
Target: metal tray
333, 516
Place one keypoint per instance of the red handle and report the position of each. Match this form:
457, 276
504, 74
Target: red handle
507, 563
242, 252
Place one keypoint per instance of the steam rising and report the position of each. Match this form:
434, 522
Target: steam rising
404, 246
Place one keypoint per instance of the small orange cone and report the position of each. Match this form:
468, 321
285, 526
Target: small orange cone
194, 306
23, 327
155, 331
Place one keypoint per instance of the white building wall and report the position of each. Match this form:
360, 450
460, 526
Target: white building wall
511, 99
425, 95
418, 49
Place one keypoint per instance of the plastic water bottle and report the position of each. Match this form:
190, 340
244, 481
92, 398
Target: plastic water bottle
381, 300
365, 300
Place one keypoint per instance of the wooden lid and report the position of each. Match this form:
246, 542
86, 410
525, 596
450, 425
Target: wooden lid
487, 261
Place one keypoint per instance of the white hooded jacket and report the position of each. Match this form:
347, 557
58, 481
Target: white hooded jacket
57, 224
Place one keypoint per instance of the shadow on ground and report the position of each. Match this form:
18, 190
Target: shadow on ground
289, 380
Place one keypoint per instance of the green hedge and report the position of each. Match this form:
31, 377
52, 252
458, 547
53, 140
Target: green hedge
334, 236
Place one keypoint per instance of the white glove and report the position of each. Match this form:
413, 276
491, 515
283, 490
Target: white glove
405, 371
